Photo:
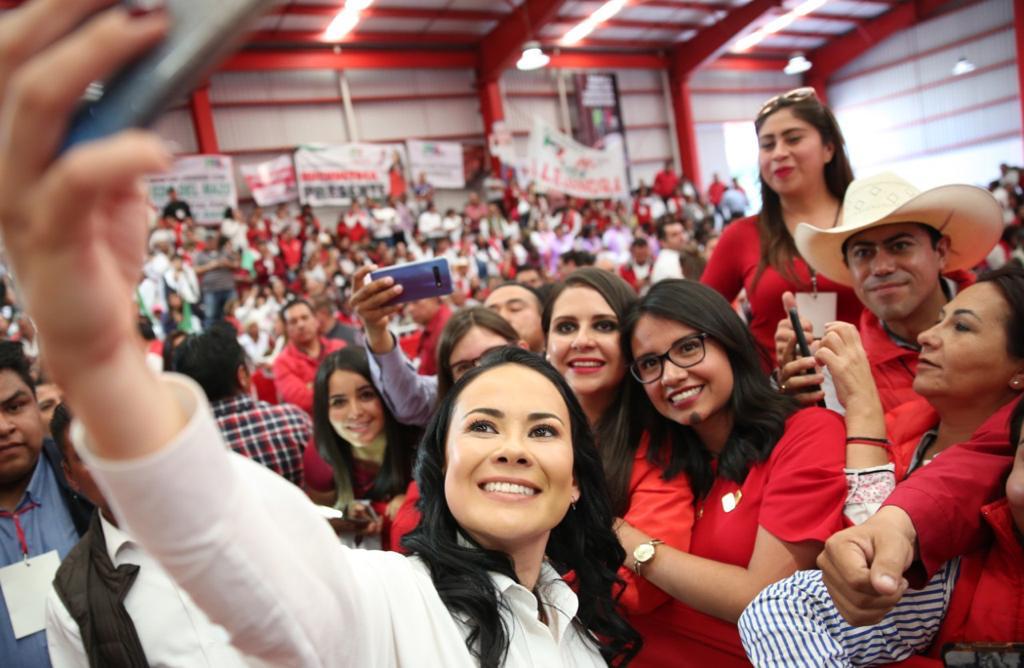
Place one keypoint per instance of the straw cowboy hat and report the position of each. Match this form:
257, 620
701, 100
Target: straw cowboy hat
969, 216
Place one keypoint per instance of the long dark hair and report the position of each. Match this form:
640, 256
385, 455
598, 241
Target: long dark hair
777, 246
396, 469
1010, 281
759, 412
583, 542
457, 327
618, 431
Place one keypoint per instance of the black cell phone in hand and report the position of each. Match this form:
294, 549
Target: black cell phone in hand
801, 343
202, 33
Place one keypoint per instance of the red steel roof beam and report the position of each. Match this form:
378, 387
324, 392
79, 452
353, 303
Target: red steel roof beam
325, 59
392, 38
684, 4
393, 12
503, 44
630, 23
694, 52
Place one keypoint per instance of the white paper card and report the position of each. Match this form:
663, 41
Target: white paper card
25, 585
819, 308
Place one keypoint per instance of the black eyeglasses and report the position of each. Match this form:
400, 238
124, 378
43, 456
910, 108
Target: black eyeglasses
460, 369
684, 353
775, 103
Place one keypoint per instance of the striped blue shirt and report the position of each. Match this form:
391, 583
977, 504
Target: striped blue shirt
794, 623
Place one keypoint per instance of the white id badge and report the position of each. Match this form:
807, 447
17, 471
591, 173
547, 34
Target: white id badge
25, 585
818, 307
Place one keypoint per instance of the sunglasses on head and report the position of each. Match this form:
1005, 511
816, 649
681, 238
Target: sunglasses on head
796, 95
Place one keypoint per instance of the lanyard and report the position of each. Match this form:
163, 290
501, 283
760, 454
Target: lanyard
22, 541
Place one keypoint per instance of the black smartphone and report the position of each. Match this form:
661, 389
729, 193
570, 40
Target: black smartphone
801, 343
994, 655
202, 33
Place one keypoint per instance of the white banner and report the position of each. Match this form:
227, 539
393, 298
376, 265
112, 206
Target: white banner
205, 182
271, 182
335, 175
441, 163
557, 162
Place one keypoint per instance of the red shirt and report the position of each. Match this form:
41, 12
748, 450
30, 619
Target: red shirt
291, 251
733, 267
665, 183
797, 494
662, 509
406, 518
426, 351
715, 192
943, 498
294, 372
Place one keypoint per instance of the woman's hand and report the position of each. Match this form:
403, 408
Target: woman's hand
369, 301
842, 352
796, 374
75, 225
630, 537
394, 506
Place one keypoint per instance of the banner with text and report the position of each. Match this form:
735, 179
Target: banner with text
556, 161
205, 182
440, 162
271, 182
336, 175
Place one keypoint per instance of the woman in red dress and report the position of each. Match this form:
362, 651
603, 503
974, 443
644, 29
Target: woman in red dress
804, 174
767, 477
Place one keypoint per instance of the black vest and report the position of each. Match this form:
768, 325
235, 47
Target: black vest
93, 591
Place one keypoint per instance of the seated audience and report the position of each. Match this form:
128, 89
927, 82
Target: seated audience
41, 515
111, 604
296, 365
892, 246
274, 436
768, 478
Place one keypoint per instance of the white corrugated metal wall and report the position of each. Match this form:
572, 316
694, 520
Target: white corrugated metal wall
901, 107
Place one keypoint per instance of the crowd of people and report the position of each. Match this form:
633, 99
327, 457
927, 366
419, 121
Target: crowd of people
663, 431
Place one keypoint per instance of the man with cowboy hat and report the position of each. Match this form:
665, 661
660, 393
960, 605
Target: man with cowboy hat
905, 253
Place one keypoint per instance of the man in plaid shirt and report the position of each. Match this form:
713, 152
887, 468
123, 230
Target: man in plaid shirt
274, 436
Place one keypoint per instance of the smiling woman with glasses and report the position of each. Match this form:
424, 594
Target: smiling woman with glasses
684, 353
804, 172
767, 477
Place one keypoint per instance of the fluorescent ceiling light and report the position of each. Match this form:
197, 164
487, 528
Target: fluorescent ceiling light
533, 58
777, 24
797, 64
346, 19
963, 66
587, 25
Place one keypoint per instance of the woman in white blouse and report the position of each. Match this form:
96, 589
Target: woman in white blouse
500, 473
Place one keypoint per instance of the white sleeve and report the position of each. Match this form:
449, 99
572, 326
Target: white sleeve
63, 638
248, 546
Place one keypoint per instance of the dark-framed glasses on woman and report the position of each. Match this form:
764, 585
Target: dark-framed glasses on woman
684, 353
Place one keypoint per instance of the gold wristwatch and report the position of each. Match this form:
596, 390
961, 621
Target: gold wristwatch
643, 553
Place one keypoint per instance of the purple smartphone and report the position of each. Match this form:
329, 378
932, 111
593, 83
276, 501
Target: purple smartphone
427, 278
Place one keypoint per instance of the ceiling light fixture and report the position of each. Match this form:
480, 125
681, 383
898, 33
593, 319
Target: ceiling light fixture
533, 58
346, 19
963, 66
777, 24
797, 64
587, 25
